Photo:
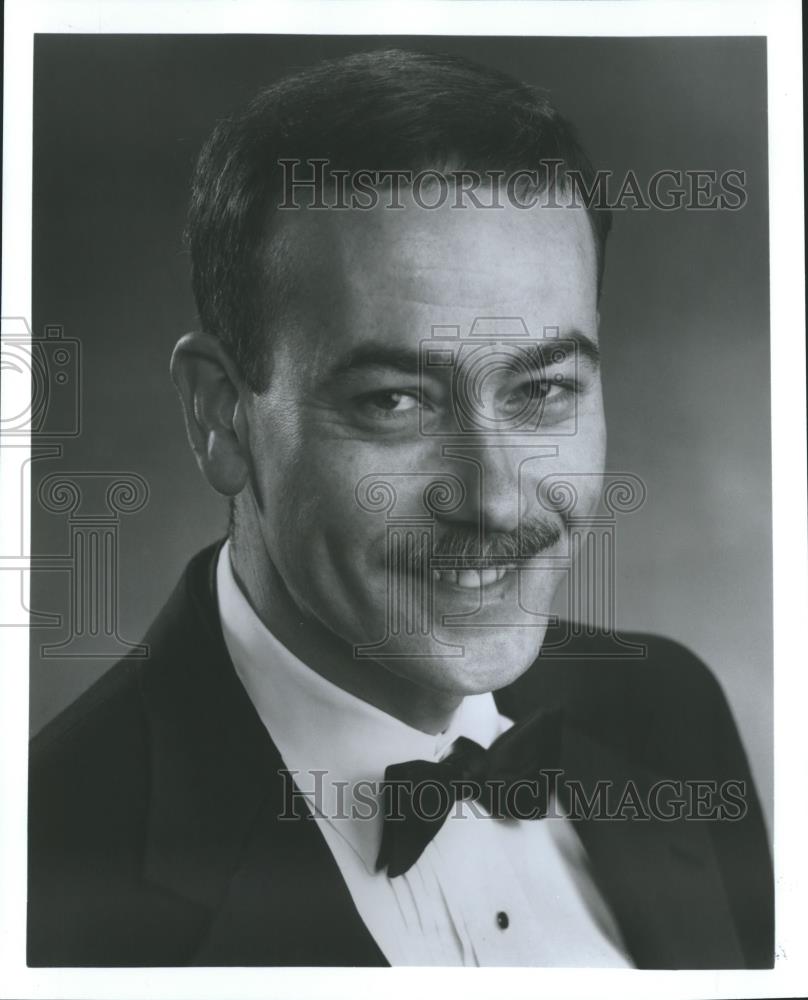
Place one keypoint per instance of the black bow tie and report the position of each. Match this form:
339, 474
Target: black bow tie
510, 779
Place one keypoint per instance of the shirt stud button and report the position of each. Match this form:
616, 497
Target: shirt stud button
502, 920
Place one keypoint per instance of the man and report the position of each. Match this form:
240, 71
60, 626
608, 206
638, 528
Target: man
396, 382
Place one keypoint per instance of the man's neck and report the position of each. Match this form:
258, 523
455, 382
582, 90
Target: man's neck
330, 656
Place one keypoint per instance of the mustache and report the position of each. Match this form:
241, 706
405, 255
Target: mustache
459, 549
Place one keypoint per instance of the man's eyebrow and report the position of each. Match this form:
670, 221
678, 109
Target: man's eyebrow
585, 348
550, 351
410, 361
375, 355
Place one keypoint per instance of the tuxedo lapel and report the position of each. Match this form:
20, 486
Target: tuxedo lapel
271, 886
287, 902
660, 877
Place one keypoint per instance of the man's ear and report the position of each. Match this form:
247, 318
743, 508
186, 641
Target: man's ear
209, 386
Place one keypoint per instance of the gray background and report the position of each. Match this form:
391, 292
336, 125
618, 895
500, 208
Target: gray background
118, 121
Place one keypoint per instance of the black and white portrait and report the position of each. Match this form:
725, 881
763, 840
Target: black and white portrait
397, 480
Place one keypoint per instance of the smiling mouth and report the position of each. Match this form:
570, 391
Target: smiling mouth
469, 577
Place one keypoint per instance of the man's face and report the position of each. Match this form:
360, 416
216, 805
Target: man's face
359, 397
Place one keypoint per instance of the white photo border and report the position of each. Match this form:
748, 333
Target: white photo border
780, 22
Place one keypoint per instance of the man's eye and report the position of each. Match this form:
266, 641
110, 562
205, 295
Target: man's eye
542, 392
388, 403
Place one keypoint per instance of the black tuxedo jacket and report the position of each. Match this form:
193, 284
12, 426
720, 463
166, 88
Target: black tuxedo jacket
154, 837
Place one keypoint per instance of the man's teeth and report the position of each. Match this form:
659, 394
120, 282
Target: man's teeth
469, 577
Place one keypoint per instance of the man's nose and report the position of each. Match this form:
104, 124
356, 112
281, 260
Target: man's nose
490, 474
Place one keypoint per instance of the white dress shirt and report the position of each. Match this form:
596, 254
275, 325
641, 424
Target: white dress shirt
485, 891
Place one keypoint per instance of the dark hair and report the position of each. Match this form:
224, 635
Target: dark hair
373, 111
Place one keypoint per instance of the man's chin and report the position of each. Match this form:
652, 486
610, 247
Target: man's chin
465, 661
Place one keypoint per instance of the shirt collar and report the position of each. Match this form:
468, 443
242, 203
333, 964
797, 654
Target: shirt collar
325, 735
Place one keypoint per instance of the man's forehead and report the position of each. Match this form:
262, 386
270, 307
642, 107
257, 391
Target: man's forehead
404, 271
